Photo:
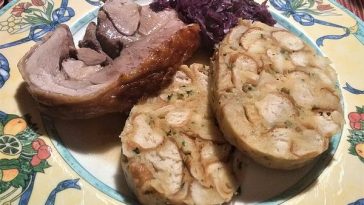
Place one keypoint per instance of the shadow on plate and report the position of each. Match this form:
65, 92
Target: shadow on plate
91, 142
91, 135
88, 136
121, 185
269, 186
27, 105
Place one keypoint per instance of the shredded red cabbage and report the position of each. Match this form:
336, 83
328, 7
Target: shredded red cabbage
216, 17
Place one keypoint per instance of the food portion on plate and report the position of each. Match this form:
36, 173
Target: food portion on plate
216, 17
173, 151
274, 98
108, 75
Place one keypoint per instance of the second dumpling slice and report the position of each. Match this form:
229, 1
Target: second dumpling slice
275, 99
173, 152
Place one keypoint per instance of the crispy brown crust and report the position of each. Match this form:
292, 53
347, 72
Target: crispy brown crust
152, 74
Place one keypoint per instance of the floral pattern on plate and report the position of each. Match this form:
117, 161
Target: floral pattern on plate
356, 138
39, 20
304, 12
23, 154
4, 70
27, 14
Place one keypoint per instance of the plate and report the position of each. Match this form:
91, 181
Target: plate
77, 162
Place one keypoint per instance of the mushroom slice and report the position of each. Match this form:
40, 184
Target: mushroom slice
280, 60
244, 70
301, 58
146, 136
211, 152
177, 118
324, 76
288, 40
281, 139
325, 124
182, 194
326, 99
203, 195
301, 90
223, 179
235, 36
275, 109
251, 36
140, 172
168, 166
309, 143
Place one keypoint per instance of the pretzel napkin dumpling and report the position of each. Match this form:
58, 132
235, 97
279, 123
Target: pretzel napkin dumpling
173, 152
274, 98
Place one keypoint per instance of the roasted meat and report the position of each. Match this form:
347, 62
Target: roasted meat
87, 82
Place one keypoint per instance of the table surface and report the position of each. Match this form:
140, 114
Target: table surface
356, 6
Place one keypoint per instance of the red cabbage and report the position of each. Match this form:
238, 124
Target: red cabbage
216, 17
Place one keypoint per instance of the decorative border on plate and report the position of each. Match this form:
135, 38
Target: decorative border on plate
8, 6
94, 2
306, 12
78, 168
23, 154
4, 70
356, 137
40, 22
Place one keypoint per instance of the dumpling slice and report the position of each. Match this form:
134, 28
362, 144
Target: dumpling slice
172, 149
274, 97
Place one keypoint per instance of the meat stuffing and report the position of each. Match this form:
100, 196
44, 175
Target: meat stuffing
118, 61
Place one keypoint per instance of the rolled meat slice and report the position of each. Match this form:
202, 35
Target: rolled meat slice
84, 83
